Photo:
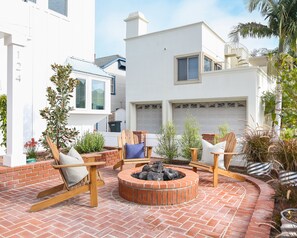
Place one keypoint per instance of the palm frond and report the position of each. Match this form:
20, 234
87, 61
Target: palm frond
250, 29
263, 6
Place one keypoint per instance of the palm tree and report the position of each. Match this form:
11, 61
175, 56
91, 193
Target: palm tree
281, 16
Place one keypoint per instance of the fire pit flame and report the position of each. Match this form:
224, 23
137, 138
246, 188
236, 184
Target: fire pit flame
157, 172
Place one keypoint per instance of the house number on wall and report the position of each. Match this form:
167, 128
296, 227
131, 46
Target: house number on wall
18, 67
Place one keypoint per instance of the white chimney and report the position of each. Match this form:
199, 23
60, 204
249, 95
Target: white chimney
136, 24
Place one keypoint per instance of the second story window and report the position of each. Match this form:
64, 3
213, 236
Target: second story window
81, 94
217, 66
59, 6
207, 64
187, 68
98, 95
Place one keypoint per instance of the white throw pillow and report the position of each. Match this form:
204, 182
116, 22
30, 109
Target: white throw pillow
73, 175
208, 158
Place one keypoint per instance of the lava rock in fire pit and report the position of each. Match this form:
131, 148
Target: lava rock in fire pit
157, 172
170, 173
143, 175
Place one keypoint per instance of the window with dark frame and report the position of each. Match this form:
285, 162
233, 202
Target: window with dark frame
113, 86
217, 66
207, 64
188, 68
59, 6
81, 94
122, 65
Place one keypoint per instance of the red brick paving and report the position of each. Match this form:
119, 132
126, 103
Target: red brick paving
225, 211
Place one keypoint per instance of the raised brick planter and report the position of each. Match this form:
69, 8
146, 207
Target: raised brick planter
25, 175
110, 157
158, 192
41, 171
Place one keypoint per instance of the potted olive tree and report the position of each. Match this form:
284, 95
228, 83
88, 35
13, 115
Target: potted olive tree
257, 144
190, 138
167, 143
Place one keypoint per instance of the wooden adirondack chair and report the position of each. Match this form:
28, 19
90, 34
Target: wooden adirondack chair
89, 183
228, 153
130, 138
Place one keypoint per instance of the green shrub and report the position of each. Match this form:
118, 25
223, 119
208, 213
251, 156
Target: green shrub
258, 144
168, 143
224, 129
288, 133
3, 118
90, 142
285, 152
190, 137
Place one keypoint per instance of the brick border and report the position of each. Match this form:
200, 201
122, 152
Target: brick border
263, 210
158, 192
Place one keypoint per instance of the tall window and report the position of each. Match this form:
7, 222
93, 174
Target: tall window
98, 95
207, 64
187, 68
112, 86
60, 6
81, 94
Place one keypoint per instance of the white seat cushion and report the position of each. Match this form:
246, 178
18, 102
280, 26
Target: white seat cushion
73, 175
208, 158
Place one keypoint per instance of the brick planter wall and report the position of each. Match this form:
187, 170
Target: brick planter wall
28, 174
111, 157
209, 137
41, 171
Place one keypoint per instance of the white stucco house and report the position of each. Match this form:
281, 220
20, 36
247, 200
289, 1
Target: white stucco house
190, 70
115, 66
33, 35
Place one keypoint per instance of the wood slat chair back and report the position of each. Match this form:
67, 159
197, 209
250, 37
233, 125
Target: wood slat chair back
55, 153
130, 138
230, 139
126, 137
54, 149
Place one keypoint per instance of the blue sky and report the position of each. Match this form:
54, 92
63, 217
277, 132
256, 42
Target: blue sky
220, 15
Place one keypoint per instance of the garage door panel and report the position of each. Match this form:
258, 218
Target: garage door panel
149, 117
211, 115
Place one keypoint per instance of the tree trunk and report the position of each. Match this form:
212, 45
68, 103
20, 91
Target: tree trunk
278, 107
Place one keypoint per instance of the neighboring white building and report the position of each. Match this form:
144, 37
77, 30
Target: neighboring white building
115, 65
190, 70
33, 35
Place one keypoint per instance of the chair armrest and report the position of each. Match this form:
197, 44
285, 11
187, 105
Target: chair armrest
149, 150
194, 154
120, 152
224, 153
78, 165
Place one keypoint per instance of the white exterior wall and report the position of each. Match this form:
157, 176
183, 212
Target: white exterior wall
119, 99
48, 38
150, 65
212, 44
150, 73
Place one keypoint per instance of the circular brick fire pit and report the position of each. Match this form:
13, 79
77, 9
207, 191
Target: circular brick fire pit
158, 192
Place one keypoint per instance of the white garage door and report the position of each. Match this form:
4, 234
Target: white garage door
211, 115
149, 117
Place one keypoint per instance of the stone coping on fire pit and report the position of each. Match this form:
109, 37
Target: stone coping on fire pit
158, 192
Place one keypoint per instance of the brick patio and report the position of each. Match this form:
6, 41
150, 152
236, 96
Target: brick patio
233, 209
